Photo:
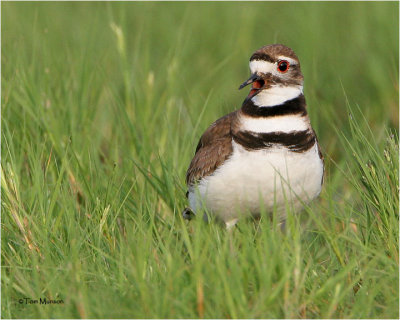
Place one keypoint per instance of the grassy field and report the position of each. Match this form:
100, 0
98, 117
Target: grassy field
102, 107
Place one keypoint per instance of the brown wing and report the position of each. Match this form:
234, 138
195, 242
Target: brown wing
215, 146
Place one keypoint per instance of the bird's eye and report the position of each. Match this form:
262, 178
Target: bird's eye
283, 66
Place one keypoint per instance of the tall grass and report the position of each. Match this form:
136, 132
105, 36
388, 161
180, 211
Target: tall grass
102, 106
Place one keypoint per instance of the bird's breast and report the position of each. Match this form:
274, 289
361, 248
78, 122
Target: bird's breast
269, 176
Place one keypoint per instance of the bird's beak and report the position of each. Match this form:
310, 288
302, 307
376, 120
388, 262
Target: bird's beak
252, 78
258, 84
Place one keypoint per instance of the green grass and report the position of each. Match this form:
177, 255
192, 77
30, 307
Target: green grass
102, 107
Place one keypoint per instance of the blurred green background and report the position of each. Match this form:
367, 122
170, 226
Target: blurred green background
102, 107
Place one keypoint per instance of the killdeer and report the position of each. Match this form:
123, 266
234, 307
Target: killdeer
264, 155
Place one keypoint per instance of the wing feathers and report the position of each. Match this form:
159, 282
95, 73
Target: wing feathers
214, 147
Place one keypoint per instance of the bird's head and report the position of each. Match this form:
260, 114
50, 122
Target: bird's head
275, 70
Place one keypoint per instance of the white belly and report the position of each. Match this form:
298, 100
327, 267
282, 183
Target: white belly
253, 181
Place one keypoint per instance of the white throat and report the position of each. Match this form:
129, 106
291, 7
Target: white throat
276, 95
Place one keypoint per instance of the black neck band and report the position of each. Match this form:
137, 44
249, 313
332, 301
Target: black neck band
294, 106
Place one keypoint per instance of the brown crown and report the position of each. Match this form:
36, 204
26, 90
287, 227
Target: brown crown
272, 52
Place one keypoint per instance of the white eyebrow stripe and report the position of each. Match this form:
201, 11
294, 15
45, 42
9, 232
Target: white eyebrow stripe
262, 66
291, 61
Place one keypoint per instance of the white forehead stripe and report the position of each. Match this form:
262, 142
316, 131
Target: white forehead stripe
262, 66
266, 66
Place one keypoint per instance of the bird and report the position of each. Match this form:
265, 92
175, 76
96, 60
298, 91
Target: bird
263, 156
